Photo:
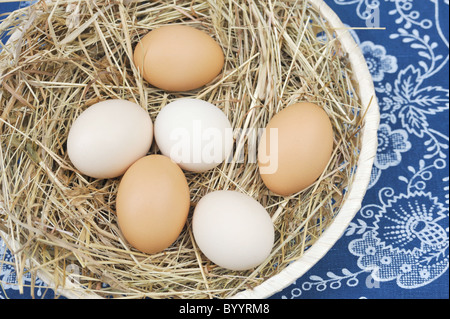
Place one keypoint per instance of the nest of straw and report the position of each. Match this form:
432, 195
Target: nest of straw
72, 54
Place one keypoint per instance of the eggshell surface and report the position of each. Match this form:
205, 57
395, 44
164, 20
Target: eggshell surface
194, 133
295, 148
233, 230
108, 137
178, 58
152, 203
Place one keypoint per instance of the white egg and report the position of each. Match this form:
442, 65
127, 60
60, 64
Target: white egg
233, 230
194, 133
108, 137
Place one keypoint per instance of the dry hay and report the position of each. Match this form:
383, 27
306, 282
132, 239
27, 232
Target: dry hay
73, 54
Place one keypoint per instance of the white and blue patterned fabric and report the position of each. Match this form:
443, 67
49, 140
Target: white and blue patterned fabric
397, 245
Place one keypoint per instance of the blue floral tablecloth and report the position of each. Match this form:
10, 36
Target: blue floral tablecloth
397, 245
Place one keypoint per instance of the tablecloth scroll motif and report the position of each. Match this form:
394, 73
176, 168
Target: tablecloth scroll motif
399, 240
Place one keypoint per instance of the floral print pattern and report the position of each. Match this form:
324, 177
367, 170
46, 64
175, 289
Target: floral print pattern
400, 237
377, 60
391, 145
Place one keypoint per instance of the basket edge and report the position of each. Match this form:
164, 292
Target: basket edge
362, 175
352, 204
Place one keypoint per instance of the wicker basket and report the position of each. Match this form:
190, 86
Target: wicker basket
362, 175
355, 192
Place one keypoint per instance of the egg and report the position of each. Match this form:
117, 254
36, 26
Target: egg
152, 203
178, 58
295, 148
194, 133
106, 138
232, 230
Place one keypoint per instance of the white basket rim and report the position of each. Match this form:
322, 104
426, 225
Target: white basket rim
355, 194
361, 180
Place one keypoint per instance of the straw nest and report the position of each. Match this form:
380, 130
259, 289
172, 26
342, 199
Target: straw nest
72, 54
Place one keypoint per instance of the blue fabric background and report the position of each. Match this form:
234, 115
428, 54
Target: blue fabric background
397, 245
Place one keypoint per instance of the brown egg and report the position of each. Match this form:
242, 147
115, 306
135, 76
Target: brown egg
152, 203
295, 148
178, 58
